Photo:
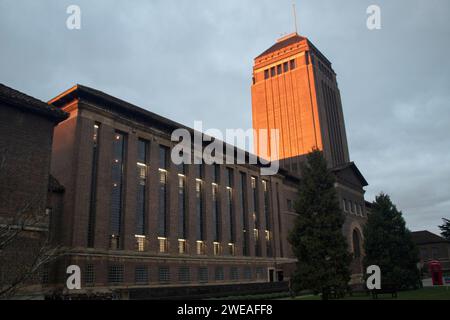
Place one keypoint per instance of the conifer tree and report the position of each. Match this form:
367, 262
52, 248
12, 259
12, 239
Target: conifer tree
316, 238
388, 244
445, 228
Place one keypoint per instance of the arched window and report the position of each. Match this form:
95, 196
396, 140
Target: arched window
356, 244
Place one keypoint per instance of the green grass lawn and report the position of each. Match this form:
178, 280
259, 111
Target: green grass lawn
435, 293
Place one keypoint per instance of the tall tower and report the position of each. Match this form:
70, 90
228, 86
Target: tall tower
295, 91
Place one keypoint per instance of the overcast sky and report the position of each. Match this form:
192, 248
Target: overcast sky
192, 60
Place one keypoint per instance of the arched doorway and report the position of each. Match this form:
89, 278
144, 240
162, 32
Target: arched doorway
356, 244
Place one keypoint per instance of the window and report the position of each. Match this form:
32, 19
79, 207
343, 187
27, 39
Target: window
356, 244
164, 274
234, 274
163, 210
242, 194
140, 243
424, 254
141, 166
229, 203
163, 245
141, 275
181, 246
289, 205
217, 248
182, 214
345, 205
231, 249
266, 74
272, 72
260, 273
435, 252
184, 274
285, 67
247, 273
219, 274
115, 274
117, 192
89, 275
201, 247
199, 204
255, 215
93, 199
215, 212
292, 64
203, 274
279, 69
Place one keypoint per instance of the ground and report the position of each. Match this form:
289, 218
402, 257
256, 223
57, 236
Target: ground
436, 293
432, 293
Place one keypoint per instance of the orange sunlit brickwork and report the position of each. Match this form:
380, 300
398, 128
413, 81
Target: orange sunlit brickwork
295, 91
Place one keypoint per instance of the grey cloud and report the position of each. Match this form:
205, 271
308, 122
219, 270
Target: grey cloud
191, 60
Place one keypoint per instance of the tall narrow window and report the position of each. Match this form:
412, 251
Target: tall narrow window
93, 200
163, 212
117, 190
229, 206
199, 202
242, 194
255, 214
141, 207
285, 67
267, 216
181, 202
215, 204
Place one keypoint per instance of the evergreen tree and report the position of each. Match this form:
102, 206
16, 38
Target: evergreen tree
316, 238
445, 228
388, 244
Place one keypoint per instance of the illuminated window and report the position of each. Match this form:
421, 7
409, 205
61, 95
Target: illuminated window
163, 245
242, 194
93, 193
217, 248
140, 243
117, 192
229, 203
181, 246
141, 198
163, 210
267, 216
231, 249
215, 211
182, 215
201, 248
199, 209
255, 209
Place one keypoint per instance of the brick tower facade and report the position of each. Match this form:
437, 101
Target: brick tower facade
295, 91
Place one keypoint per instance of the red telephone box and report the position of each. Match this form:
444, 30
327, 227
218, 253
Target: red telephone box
436, 272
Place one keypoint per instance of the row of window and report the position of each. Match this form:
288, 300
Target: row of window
279, 69
352, 207
119, 164
183, 274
